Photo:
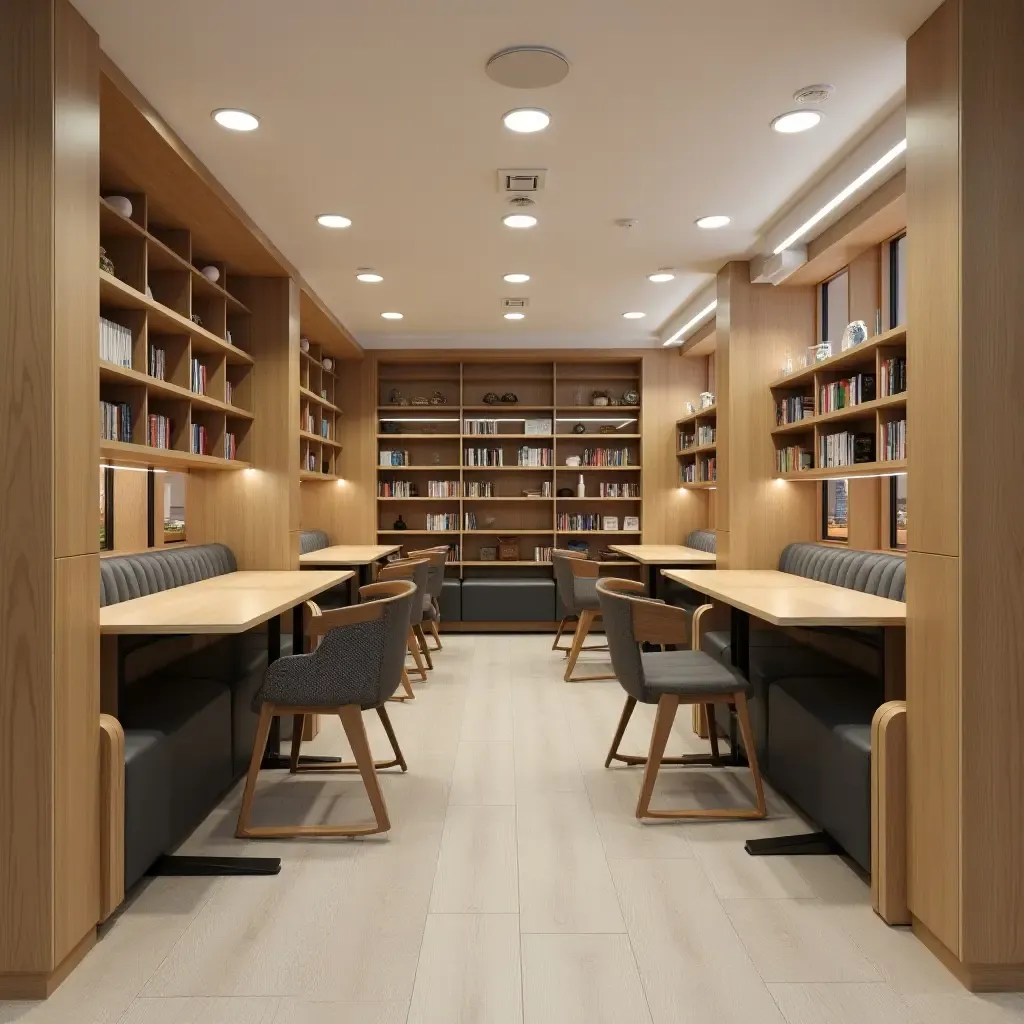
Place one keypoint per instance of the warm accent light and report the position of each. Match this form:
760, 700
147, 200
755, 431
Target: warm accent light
713, 221
392, 316
333, 220
369, 277
854, 185
690, 324
797, 121
527, 119
661, 277
236, 120
636, 315
515, 316
130, 469
519, 220
516, 278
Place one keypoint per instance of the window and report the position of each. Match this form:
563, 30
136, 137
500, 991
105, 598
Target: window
834, 510
898, 281
174, 507
106, 508
835, 309
898, 511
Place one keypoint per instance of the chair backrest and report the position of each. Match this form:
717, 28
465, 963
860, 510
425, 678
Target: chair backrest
437, 558
125, 577
702, 540
867, 571
414, 569
564, 577
617, 614
312, 540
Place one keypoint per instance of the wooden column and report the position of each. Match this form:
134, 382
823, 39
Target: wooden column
49, 561
756, 516
965, 599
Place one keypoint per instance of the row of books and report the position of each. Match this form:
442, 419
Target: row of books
160, 430
115, 421
478, 489
157, 362
793, 410
619, 490
314, 426
442, 520
793, 459
845, 449
198, 379
200, 440
484, 457
454, 553
469, 521
229, 392
843, 394
535, 456
606, 457
894, 440
525, 456
893, 376
394, 458
700, 471
115, 344
687, 439
578, 521
705, 434
541, 554
408, 489
230, 446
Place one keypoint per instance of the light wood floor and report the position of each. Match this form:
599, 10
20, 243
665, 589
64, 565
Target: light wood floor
515, 886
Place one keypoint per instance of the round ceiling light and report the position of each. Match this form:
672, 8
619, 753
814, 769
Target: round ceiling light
796, 121
519, 220
333, 220
527, 67
633, 316
236, 120
392, 316
527, 119
661, 276
515, 316
716, 220
516, 278
368, 276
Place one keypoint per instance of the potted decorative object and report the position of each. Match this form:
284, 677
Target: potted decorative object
579, 428
574, 461
631, 397
565, 492
491, 398
816, 353
509, 398
508, 549
707, 399
106, 263
690, 409
211, 273
395, 397
399, 523
606, 428
599, 398
197, 319
438, 399
328, 364
304, 344
122, 204
855, 333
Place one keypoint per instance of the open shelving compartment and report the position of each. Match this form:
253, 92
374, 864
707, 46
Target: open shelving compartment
805, 419
697, 452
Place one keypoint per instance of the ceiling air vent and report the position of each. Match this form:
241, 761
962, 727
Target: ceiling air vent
511, 305
521, 181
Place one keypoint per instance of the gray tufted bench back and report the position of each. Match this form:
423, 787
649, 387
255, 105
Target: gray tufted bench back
312, 540
702, 540
124, 577
867, 571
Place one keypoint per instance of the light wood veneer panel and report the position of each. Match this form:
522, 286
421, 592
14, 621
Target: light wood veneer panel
131, 511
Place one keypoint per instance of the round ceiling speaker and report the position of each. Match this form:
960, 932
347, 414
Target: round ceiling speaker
528, 67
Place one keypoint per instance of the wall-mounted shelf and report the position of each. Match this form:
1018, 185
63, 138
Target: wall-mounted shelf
852, 358
890, 468
710, 413
123, 453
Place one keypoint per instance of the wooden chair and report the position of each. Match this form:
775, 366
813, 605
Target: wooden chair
438, 559
414, 569
576, 580
355, 667
668, 679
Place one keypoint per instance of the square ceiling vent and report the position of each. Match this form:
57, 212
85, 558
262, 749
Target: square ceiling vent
516, 182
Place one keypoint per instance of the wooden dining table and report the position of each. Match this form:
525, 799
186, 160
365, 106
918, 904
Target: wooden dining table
362, 557
655, 557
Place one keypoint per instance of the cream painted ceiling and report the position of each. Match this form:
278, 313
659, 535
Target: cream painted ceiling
381, 110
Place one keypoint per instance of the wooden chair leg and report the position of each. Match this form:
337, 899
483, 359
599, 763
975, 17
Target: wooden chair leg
422, 640
407, 693
298, 724
436, 635
586, 620
385, 720
620, 731
352, 721
712, 728
258, 747
417, 656
743, 713
668, 704
566, 621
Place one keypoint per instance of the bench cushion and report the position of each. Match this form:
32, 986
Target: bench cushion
867, 571
312, 540
451, 601
702, 540
508, 600
124, 577
147, 800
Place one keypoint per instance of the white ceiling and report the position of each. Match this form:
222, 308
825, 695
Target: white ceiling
381, 110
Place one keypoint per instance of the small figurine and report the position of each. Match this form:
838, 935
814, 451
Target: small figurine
631, 397
438, 399
399, 523
491, 398
599, 398
106, 263
579, 429
509, 398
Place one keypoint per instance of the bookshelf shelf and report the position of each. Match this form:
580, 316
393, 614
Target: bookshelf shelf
315, 399
891, 467
327, 442
111, 373
853, 358
455, 498
498, 561
123, 452
312, 476
703, 449
853, 412
700, 485
604, 533
504, 498
710, 413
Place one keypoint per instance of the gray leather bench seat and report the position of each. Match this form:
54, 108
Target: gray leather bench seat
147, 800
451, 601
819, 744
312, 540
682, 596
508, 600
702, 540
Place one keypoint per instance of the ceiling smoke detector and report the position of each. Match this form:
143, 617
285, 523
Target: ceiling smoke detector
527, 67
814, 94
522, 202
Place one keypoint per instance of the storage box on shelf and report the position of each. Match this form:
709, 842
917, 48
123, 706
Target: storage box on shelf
173, 359
833, 418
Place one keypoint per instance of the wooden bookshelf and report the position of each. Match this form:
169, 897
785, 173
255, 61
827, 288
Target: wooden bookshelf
698, 461
436, 438
867, 419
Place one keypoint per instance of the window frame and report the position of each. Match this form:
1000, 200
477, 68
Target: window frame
107, 511
892, 249
823, 526
894, 544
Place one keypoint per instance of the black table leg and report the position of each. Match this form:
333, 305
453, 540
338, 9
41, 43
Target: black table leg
272, 756
652, 581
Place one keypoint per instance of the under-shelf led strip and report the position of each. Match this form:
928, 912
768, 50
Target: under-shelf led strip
690, 324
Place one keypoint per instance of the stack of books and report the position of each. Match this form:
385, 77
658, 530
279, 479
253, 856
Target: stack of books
115, 343
230, 451
894, 376
484, 457
845, 449
445, 521
394, 458
542, 554
198, 384
894, 440
707, 470
619, 490
199, 440
536, 456
157, 362
578, 521
792, 410
842, 394
160, 430
115, 421
606, 457
478, 489
793, 459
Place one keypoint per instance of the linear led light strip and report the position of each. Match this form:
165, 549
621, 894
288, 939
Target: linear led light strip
857, 183
690, 324
129, 469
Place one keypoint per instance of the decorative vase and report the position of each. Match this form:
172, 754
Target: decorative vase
491, 398
304, 344
581, 487
599, 398
211, 273
631, 397
509, 398
327, 363
399, 523
579, 429
122, 204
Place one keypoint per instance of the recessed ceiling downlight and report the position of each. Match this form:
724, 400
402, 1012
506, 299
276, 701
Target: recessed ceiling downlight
236, 120
392, 316
797, 121
661, 276
527, 119
368, 276
633, 316
333, 220
515, 316
516, 278
519, 220
527, 67
716, 220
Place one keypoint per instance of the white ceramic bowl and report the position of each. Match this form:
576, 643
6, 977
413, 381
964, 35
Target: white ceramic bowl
212, 274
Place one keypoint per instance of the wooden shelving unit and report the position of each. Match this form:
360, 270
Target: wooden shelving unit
697, 453
180, 369
865, 420
555, 405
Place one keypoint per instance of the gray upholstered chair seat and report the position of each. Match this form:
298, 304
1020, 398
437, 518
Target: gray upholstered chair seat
584, 592
312, 540
429, 611
687, 672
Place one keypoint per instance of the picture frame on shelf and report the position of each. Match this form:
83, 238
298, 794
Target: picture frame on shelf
631, 523
609, 523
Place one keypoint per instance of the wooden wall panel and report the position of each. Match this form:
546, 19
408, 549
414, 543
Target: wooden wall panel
131, 510
864, 496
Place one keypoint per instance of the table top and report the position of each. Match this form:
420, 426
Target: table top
231, 603
784, 599
664, 554
349, 554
